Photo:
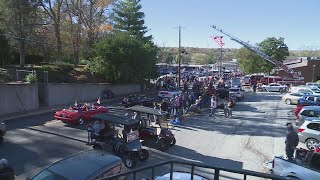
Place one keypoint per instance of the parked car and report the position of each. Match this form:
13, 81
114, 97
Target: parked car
309, 133
309, 99
274, 87
292, 98
306, 165
313, 84
307, 111
169, 93
237, 92
2, 131
91, 164
79, 114
142, 100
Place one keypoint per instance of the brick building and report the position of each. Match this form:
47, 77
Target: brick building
306, 66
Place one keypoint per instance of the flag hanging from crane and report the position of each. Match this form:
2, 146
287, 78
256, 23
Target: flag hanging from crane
218, 39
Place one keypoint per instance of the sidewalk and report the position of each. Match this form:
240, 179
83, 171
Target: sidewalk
44, 110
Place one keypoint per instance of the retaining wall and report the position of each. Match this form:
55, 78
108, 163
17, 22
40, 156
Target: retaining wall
18, 97
53, 94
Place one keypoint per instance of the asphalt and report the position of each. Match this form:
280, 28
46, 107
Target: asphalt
252, 136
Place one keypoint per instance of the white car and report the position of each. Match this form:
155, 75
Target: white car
239, 94
169, 93
274, 87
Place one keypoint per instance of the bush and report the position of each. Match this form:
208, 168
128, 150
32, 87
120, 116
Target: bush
31, 78
64, 67
83, 78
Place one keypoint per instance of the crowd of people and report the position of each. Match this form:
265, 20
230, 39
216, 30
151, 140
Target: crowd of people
196, 94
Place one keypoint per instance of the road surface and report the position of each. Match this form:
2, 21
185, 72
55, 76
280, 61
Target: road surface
254, 134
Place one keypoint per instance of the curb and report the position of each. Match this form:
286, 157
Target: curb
41, 111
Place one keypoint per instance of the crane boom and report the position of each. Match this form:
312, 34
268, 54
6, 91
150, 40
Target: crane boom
254, 49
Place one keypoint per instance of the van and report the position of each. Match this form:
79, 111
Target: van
86, 165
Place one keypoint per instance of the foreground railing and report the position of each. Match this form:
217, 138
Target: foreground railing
216, 171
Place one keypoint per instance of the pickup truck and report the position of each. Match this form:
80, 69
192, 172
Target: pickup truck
2, 131
305, 166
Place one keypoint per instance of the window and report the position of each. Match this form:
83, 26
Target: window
318, 99
306, 113
310, 98
314, 126
49, 175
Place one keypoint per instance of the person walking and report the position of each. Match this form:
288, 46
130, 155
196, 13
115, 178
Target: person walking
213, 106
292, 141
254, 87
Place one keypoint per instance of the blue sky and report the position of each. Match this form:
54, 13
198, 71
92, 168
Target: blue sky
298, 21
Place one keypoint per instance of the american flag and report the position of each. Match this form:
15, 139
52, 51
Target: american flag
218, 39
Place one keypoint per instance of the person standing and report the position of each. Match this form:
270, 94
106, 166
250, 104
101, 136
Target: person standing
292, 141
6, 172
225, 107
230, 108
254, 87
213, 106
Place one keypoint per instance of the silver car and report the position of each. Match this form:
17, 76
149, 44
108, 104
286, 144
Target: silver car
307, 111
2, 131
309, 133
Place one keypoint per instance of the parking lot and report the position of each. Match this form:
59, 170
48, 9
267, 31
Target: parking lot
254, 134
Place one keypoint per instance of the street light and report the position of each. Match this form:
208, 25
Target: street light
314, 66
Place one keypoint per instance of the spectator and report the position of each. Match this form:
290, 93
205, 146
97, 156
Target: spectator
292, 141
6, 172
230, 108
225, 107
213, 106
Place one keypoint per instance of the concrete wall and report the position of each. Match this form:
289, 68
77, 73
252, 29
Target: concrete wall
52, 94
18, 97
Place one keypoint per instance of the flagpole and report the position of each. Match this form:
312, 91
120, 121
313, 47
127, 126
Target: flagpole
220, 62
179, 57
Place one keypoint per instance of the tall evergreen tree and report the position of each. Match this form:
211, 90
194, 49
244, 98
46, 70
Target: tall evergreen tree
128, 17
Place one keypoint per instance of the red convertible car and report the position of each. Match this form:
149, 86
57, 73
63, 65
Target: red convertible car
79, 114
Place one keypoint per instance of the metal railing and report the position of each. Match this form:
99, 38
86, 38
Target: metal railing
216, 173
42, 76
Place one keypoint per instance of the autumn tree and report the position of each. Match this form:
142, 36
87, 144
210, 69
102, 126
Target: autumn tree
53, 9
18, 19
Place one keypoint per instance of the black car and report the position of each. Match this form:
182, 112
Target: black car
141, 100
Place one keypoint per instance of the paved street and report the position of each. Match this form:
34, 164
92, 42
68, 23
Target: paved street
253, 135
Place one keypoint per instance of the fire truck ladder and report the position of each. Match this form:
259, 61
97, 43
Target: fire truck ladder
277, 63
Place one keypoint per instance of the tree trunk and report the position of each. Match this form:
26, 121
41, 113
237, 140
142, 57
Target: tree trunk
22, 51
58, 37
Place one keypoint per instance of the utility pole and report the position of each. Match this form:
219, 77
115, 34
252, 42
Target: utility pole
179, 57
220, 63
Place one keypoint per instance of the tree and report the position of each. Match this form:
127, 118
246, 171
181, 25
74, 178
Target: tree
275, 48
19, 18
212, 57
54, 9
200, 58
127, 17
249, 61
252, 63
4, 49
121, 57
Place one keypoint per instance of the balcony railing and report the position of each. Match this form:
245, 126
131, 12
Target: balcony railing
215, 173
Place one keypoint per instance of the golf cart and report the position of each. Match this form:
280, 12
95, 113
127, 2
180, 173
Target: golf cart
153, 127
119, 135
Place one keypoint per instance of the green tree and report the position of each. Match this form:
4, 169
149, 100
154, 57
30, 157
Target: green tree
128, 17
200, 58
120, 57
276, 49
248, 61
212, 57
4, 50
